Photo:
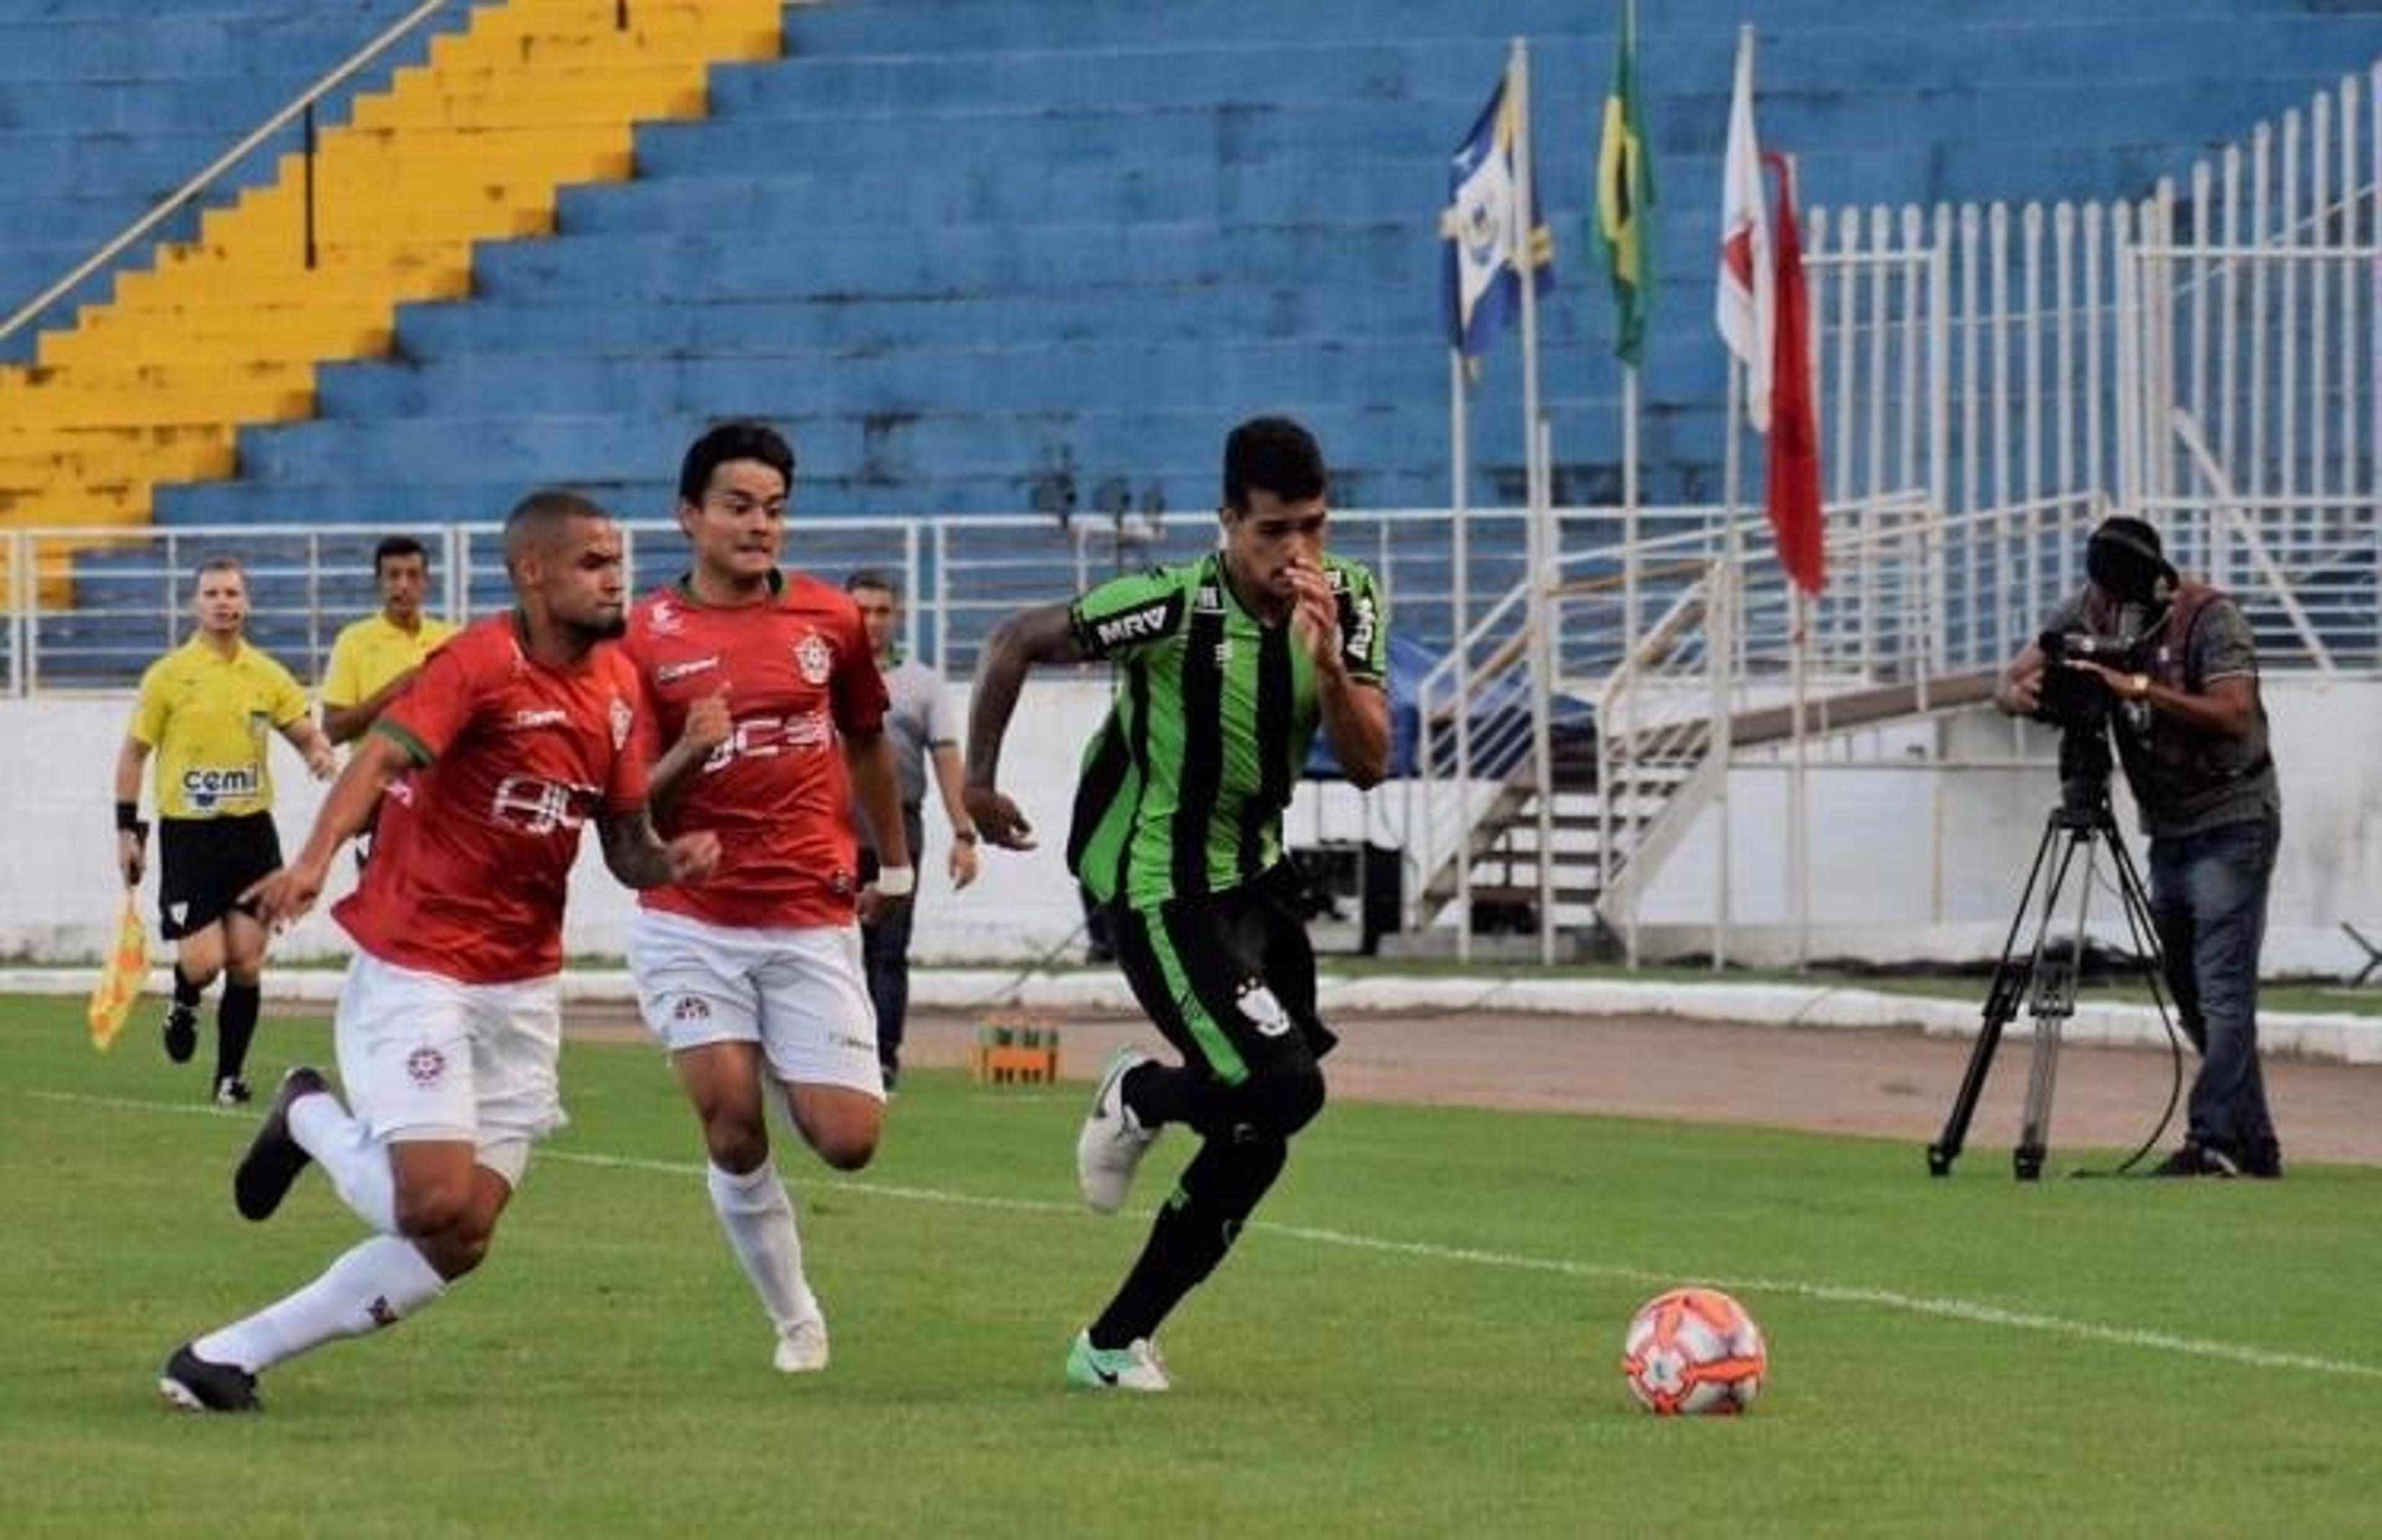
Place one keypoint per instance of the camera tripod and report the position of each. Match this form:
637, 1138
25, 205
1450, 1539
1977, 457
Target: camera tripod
2042, 971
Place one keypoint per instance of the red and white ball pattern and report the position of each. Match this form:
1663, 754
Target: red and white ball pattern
1694, 1351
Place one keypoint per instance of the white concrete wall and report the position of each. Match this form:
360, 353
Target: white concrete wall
59, 891
1907, 860
1918, 859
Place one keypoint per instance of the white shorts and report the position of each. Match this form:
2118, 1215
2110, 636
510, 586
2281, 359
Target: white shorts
427, 1058
799, 992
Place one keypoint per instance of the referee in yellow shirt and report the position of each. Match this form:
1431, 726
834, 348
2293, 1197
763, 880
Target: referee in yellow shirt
377, 656
205, 710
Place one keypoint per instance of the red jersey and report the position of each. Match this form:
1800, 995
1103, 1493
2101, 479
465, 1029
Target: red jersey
475, 847
799, 676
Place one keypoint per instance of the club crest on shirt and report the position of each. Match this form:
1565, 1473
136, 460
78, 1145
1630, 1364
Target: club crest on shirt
1264, 1012
664, 618
424, 1065
815, 658
623, 717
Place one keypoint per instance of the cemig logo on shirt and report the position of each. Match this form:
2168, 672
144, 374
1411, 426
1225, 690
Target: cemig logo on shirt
203, 785
815, 658
539, 716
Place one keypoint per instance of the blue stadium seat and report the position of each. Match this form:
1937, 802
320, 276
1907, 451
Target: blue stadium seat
986, 255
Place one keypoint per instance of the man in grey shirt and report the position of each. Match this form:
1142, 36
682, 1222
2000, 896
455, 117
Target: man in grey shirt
2191, 733
925, 736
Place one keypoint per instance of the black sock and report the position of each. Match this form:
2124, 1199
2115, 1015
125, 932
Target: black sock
235, 1028
1162, 1093
1199, 1224
186, 993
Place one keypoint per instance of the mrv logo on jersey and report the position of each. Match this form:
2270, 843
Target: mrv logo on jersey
1154, 619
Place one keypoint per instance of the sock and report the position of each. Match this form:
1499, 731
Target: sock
356, 1163
235, 1027
759, 1218
1195, 1227
377, 1284
186, 993
1162, 1093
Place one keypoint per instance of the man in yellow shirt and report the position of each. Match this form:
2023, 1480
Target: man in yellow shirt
377, 656
205, 710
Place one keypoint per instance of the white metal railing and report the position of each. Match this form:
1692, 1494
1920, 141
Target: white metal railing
87, 608
1912, 594
2007, 357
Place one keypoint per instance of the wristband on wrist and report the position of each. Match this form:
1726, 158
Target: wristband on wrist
896, 882
965, 836
128, 819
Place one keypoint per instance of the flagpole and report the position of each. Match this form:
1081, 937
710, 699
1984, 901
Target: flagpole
1724, 665
1797, 834
1630, 785
1543, 542
1459, 430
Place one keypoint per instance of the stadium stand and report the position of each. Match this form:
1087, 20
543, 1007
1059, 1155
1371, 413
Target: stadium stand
307, 261
975, 255
1000, 254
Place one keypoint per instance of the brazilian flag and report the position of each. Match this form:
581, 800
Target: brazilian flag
1625, 200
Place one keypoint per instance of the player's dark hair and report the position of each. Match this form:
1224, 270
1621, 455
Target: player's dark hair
220, 563
537, 519
743, 439
395, 546
1272, 454
876, 578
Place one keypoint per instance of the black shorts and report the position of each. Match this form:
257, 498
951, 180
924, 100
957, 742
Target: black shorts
203, 864
1228, 977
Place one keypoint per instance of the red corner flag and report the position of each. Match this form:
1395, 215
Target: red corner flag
1794, 492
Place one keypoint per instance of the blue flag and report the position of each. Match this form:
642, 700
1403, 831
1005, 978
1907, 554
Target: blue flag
1483, 291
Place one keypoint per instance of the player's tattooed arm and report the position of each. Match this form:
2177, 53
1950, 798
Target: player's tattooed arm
1043, 634
641, 858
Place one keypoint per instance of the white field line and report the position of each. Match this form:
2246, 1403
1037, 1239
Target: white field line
1973, 1312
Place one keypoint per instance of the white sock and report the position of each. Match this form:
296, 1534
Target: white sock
760, 1219
357, 1163
377, 1284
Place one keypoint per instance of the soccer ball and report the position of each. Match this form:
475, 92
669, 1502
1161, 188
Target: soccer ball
1694, 1351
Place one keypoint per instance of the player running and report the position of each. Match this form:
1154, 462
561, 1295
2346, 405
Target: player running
765, 686
516, 733
1226, 667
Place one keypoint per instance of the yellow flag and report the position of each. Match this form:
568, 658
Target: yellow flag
123, 976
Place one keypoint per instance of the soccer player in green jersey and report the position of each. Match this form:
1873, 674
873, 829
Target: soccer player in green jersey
1225, 667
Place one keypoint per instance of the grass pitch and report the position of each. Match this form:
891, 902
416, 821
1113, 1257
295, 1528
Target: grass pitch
1417, 1336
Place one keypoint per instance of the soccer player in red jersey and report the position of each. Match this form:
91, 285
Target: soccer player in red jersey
766, 689
515, 734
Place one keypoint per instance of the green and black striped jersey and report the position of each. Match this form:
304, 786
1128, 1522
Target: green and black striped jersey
1184, 786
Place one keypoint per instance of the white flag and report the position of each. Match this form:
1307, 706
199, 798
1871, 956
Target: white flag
1746, 306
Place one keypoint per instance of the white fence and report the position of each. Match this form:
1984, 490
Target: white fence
88, 609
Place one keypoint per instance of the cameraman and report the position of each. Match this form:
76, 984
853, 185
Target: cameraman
2183, 705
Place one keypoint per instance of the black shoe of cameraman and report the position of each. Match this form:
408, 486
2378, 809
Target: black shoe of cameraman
2264, 1160
2197, 1160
